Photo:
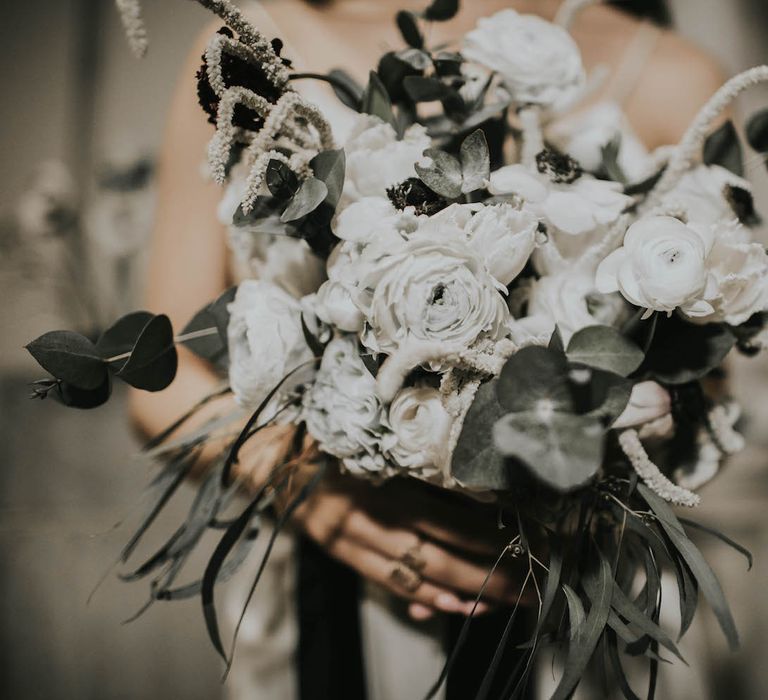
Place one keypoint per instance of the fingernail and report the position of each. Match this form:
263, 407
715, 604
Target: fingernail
480, 609
448, 602
420, 612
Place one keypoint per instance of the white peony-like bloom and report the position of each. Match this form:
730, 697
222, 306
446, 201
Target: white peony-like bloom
376, 159
430, 291
421, 426
738, 269
573, 206
266, 342
334, 305
502, 235
662, 266
702, 194
648, 402
569, 301
539, 62
342, 411
370, 218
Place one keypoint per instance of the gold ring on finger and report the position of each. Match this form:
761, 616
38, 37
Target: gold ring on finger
405, 577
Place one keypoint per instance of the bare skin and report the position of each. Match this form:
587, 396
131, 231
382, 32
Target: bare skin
189, 267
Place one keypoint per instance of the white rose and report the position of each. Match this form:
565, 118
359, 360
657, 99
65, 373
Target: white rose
266, 342
570, 301
436, 292
421, 426
376, 159
573, 206
539, 61
662, 266
702, 194
739, 271
334, 304
341, 408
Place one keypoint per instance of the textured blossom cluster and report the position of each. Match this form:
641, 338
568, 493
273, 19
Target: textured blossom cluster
425, 296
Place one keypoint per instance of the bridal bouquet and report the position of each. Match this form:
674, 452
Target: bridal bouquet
461, 294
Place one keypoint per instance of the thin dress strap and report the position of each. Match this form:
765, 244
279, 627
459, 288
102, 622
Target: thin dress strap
633, 64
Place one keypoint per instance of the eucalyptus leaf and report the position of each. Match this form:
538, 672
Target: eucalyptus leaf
610, 165
153, 362
723, 538
71, 357
75, 397
442, 10
723, 148
310, 195
281, 181
603, 347
329, 166
409, 28
561, 449
122, 335
475, 161
214, 315
576, 614
442, 175
476, 462
346, 88
757, 131
534, 374
416, 58
376, 100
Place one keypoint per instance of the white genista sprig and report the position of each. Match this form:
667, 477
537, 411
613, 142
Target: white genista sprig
689, 148
630, 443
721, 420
569, 9
133, 25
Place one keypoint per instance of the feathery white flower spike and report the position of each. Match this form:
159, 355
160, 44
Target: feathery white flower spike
689, 148
133, 25
721, 420
569, 9
651, 475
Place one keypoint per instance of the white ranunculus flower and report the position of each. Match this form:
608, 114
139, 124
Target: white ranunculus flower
421, 426
662, 266
739, 270
334, 304
432, 291
341, 408
702, 194
376, 159
539, 61
266, 342
574, 206
570, 301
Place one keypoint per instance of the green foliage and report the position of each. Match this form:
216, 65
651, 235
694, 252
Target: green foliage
409, 28
442, 175
475, 162
70, 357
723, 148
757, 131
376, 100
214, 315
346, 88
442, 10
153, 361
426, 89
682, 352
310, 195
603, 347
282, 182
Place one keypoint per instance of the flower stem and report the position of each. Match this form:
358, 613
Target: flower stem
193, 335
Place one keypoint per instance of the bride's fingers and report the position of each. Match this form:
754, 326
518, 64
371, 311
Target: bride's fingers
439, 565
374, 566
420, 612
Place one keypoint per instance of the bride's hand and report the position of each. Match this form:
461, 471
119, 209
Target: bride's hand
450, 543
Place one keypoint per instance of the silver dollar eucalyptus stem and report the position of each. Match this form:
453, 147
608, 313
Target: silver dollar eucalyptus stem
689, 148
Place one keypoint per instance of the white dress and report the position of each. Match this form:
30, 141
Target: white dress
402, 657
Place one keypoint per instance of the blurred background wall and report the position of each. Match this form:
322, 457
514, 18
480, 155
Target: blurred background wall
72, 93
